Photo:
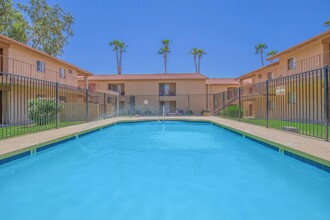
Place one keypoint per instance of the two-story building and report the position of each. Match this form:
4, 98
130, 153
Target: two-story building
27, 73
148, 93
310, 55
178, 93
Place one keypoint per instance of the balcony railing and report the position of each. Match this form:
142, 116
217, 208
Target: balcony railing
21, 68
167, 93
304, 65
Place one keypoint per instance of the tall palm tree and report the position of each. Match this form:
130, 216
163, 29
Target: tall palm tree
119, 47
260, 50
327, 23
200, 53
194, 52
272, 53
164, 51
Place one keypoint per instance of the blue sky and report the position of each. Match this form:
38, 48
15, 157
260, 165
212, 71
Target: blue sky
227, 30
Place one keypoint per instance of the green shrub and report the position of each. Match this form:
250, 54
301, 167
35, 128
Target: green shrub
231, 111
43, 110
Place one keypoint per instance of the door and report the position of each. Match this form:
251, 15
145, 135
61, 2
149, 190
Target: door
250, 109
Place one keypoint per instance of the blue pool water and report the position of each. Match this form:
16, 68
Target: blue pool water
147, 171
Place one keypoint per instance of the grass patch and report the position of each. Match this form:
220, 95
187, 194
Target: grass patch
12, 131
315, 130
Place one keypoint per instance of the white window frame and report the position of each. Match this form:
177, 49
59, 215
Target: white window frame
293, 65
41, 66
61, 73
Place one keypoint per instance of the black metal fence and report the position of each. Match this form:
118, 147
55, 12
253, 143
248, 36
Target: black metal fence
29, 105
297, 103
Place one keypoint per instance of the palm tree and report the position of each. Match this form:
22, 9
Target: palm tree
119, 47
164, 51
260, 49
272, 53
194, 52
200, 53
327, 23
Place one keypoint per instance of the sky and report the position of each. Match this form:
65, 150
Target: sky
228, 30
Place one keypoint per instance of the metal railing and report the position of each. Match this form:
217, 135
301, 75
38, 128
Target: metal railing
303, 65
14, 66
297, 103
29, 105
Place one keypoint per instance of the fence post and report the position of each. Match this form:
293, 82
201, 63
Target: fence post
86, 91
223, 104
56, 104
239, 104
326, 102
267, 102
105, 107
188, 104
214, 104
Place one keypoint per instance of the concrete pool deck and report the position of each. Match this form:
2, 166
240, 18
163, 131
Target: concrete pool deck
315, 149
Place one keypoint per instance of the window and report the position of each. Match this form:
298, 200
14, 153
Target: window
291, 63
62, 73
110, 99
167, 89
260, 76
117, 88
70, 71
95, 99
40, 66
270, 76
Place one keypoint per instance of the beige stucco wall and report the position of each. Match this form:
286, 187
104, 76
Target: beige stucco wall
23, 62
217, 88
190, 94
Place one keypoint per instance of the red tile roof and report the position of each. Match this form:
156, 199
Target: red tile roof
168, 76
222, 81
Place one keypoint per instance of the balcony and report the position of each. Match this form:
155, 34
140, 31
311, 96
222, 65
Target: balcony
304, 65
168, 89
120, 88
21, 68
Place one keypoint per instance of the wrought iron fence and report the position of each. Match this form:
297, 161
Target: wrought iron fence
297, 103
29, 105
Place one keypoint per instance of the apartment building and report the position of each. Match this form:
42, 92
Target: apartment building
285, 87
311, 54
27, 73
148, 93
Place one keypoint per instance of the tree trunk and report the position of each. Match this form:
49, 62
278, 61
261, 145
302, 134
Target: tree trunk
165, 60
121, 55
117, 62
262, 59
195, 63
199, 65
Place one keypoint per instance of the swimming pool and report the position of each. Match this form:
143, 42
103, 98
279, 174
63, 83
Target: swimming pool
151, 170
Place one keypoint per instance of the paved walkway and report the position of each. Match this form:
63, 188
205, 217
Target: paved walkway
314, 147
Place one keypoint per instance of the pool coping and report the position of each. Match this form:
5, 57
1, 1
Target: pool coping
313, 160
